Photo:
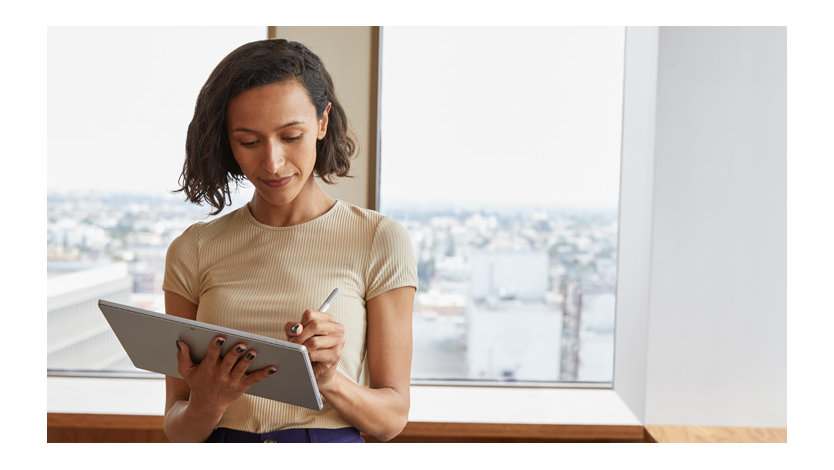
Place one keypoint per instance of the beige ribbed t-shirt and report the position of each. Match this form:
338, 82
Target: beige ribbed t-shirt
253, 277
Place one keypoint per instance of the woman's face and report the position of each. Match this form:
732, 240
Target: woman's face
273, 131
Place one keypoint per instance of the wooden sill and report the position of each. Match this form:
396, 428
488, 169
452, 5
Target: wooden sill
499, 432
71, 427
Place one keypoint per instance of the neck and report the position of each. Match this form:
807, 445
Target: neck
311, 202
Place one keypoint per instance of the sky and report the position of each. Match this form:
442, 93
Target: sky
502, 115
119, 101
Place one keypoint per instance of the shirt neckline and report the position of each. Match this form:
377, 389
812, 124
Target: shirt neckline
251, 218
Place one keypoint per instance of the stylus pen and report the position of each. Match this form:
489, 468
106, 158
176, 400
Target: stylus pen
329, 300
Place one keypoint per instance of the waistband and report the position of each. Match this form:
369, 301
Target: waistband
288, 435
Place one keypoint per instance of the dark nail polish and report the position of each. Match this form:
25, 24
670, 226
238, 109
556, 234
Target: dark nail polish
179, 349
250, 356
220, 342
272, 371
240, 349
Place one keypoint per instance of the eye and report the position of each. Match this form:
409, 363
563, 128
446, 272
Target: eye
293, 138
250, 143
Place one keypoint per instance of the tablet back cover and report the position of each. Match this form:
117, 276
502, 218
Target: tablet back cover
149, 338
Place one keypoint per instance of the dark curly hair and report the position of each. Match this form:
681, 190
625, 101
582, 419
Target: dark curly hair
209, 163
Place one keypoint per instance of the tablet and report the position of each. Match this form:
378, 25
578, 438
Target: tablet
149, 338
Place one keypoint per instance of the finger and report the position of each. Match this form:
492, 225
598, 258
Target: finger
214, 349
319, 325
293, 329
258, 375
232, 357
243, 364
312, 315
328, 356
323, 342
310, 325
184, 362
299, 332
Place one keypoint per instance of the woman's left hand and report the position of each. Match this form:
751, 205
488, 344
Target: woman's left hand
324, 339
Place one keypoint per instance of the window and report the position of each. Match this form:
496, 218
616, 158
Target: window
500, 154
119, 104
552, 215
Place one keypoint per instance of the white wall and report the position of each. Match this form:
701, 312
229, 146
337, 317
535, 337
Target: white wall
635, 237
717, 311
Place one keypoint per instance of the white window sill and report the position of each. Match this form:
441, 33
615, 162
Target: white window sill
429, 403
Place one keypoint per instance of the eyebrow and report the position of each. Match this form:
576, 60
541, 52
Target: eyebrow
289, 124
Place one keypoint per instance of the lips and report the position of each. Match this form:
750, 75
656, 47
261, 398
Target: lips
277, 182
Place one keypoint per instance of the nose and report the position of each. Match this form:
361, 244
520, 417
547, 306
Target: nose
274, 158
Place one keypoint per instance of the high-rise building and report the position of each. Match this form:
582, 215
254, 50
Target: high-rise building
78, 336
512, 333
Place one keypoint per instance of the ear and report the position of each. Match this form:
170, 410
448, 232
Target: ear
323, 122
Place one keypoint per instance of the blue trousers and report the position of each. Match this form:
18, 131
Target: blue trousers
287, 435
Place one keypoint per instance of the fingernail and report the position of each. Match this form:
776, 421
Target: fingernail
240, 349
178, 346
272, 371
220, 342
294, 329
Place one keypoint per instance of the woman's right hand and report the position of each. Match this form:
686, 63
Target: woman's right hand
217, 381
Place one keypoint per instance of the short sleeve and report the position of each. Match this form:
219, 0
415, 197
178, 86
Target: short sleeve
182, 267
392, 263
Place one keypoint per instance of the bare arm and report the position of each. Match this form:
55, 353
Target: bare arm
380, 410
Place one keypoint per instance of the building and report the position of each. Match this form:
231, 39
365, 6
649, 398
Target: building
511, 331
78, 336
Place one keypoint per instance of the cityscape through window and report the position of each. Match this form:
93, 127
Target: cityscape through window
500, 154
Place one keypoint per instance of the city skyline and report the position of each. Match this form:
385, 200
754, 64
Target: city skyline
576, 250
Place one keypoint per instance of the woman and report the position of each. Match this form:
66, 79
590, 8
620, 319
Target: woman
268, 113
